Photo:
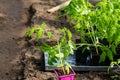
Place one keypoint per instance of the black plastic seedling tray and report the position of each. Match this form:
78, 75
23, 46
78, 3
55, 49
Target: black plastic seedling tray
72, 60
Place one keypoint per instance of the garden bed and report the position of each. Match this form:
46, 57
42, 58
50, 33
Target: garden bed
34, 65
34, 68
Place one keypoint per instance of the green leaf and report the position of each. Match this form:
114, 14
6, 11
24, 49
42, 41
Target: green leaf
43, 24
30, 32
117, 39
115, 77
49, 34
113, 63
50, 62
39, 34
102, 57
69, 34
67, 69
67, 64
71, 47
111, 33
46, 45
110, 55
60, 55
54, 60
85, 12
77, 26
113, 48
118, 61
43, 48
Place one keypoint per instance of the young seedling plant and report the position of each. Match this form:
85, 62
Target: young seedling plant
115, 65
59, 52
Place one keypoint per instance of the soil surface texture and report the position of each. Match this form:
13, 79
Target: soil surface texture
19, 58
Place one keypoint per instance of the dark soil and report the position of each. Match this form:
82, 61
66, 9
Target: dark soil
91, 57
19, 58
12, 19
60, 72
